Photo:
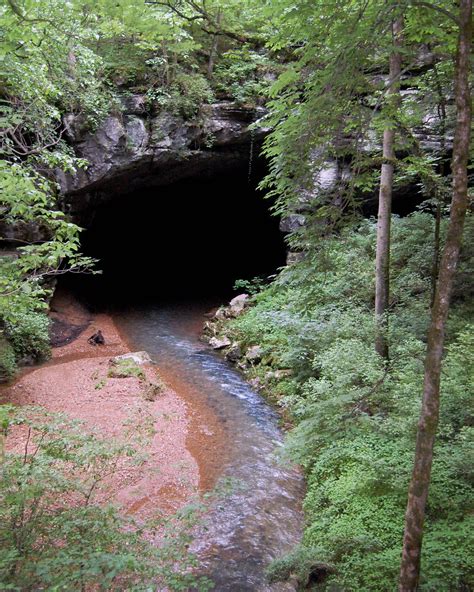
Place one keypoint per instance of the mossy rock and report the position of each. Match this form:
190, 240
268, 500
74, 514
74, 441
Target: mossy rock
125, 369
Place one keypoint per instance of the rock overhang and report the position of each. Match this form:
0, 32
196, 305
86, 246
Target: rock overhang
135, 150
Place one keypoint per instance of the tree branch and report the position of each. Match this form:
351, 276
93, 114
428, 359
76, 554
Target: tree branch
16, 9
439, 9
204, 16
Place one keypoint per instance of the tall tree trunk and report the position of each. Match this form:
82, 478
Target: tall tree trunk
427, 426
439, 197
436, 252
382, 261
214, 51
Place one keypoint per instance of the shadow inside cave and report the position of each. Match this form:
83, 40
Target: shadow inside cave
186, 241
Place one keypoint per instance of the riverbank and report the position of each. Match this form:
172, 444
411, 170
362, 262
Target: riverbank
187, 440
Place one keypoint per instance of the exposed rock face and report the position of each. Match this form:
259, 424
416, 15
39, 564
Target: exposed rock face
136, 149
330, 177
22, 232
234, 354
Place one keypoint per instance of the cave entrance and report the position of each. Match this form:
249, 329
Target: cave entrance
189, 240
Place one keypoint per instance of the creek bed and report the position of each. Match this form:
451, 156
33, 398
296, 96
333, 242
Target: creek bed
260, 517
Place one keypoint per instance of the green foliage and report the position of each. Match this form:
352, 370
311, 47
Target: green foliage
46, 71
82, 58
329, 106
28, 201
54, 532
28, 332
7, 360
184, 96
244, 75
252, 287
302, 564
355, 419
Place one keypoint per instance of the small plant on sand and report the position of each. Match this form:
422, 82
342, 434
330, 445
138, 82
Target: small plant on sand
153, 389
56, 530
124, 369
100, 384
128, 368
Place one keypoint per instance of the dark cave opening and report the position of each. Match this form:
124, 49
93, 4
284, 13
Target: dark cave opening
185, 241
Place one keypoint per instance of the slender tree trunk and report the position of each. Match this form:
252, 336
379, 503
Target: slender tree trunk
382, 261
214, 47
439, 195
166, 78
3, 439
427, 426
436, 252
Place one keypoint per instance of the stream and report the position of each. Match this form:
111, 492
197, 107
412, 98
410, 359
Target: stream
260, 516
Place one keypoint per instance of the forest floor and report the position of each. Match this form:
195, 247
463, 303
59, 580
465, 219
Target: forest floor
185, 437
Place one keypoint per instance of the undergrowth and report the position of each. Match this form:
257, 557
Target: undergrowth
355, 420
57, 530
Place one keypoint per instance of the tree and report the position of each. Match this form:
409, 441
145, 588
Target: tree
429, 417
321, 107
382, 264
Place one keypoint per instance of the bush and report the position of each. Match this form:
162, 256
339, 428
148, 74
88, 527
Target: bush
244, 75
7, 360
28, 333
54, 533
183, 97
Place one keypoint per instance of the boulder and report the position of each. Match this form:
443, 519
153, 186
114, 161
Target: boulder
216, 343
209, 328
220, 314
138, 358
237, 305
292, 222
234, 353
255, 383
254, 354
278, 374
293, 257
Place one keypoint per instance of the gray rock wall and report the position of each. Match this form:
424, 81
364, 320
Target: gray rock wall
136, 149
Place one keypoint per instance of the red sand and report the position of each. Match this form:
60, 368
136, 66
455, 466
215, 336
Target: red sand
187, 450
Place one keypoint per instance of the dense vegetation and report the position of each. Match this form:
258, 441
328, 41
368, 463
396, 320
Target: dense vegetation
355, 419
364, 100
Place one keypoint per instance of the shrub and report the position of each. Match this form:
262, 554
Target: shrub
244, 75
54, 533
7, 360
184, 96
303, 563
28, 333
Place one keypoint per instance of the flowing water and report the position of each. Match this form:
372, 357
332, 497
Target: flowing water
260, 517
